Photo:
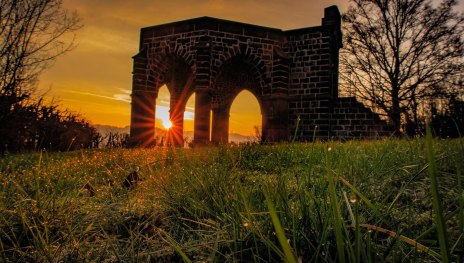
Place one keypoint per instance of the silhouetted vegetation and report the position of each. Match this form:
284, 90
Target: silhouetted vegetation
38, 126
449, 123
32, 35
400, 55
116, 140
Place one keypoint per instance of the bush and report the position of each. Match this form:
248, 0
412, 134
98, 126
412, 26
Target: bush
38, 126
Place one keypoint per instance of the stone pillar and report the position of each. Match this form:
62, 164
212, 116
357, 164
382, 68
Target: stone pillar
202, 117
142, 131
202, 92
275, 119
331, 24
176, 114
220, 129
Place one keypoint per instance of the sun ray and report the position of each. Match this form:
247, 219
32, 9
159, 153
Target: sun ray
167, 124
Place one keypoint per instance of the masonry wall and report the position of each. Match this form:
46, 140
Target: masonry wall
352, 120
293, 74
309, 83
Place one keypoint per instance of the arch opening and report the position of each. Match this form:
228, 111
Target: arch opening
162, 116
245, 121
177, 77
163, 104
236, 102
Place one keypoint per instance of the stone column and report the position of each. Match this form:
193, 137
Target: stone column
202, 92
176, 133
331, 24
202, 117
220, 129
142, 131
275, 119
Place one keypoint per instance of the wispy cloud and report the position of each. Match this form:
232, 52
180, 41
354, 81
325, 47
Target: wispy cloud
162, 106
189, 115
163, 102
162, 112
122, 97
118, 97
125, 91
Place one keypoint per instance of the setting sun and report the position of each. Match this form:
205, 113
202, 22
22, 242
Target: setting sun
167, 124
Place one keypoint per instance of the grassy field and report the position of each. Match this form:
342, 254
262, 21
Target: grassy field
358, 201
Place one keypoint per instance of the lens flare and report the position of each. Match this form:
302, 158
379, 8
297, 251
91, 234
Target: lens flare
167, 124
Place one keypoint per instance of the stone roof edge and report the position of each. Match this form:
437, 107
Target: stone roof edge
207, 19
217, 24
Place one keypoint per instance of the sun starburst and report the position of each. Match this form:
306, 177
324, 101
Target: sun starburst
167, 124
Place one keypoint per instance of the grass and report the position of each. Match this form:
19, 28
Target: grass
361, 201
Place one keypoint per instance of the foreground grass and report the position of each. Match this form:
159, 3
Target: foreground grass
320, 202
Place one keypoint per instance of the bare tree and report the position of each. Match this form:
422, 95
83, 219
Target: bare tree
33, 33
399, 53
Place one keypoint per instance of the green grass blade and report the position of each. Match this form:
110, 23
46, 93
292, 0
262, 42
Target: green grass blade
336, 215
176, 247
297, 126
460, 199
440, 222
289, 256
404, 187
405, 239
359, 194
461, 208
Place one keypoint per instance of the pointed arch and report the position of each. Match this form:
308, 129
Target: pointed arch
237, 74
245, 119
167, 69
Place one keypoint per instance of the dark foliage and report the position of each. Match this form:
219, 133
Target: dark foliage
400, 54
116, 140
33, 33
449, 124
37, 126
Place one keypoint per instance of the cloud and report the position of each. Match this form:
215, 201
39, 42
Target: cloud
125, 91
122, 97
163, 102
103, 41
118, 97
189, 115
162, 113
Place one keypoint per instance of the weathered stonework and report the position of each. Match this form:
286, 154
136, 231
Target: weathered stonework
293, 74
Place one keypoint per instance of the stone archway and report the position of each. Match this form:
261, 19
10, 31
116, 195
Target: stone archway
237, 74
170, 70
294, 75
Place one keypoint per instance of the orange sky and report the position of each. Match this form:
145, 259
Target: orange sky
95, 78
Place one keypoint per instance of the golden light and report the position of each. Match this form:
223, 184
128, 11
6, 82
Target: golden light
167, 124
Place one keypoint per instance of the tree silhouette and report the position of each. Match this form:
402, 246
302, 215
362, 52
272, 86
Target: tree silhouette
399, 53
33, 33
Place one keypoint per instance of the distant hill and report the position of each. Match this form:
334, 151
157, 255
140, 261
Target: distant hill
239, 138
106, 129
233, 137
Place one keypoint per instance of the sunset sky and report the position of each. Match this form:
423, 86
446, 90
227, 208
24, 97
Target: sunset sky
95, 78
